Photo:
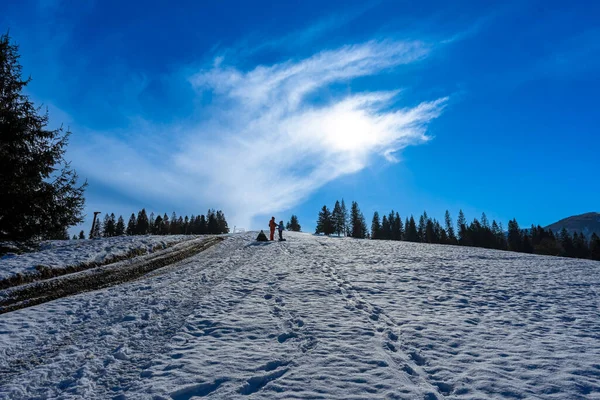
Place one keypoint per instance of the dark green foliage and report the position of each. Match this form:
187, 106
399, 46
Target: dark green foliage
450, 229
221, 223
479, 233
346, 218
385, 232
293, 224
120, 226
376, 226
412, 235
595, 247
338, 219
142, 224
131, 228
325, 222
358, 226
81, 235
40, 196
515, 237
109, 226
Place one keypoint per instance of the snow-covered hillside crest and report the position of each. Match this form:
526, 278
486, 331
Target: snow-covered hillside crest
318, 317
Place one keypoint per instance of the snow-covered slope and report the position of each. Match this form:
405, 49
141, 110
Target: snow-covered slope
318, 317
62, 253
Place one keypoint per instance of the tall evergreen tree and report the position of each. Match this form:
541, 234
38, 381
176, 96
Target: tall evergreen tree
120, 226
293, 224
566, 242
159, 226
421, 228
450, 229
81, 235
358, 225
131, 228
324, 222
167, 224
40, 196
109, 225
376, 226
222, 222
461, 225
412, 234
595, 247
385, 232
202, 226
212, 223
337, 218
397, 228
515, 237
142, 224
346, 218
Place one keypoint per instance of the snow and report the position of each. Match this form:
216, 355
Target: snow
318, 317
62, 253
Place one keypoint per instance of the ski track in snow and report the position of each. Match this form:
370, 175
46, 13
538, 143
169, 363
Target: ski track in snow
318, 317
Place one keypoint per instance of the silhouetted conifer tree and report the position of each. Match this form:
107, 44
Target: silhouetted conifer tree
81, 235
358, 225
293, 224
324, 222
595, 247
515, 237
131, 228
40, 196
376, 226
412, 235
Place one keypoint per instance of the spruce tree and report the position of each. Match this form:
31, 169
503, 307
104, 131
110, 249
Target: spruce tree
222, 222
412, 234
515, 237
105, 226
450, 229
385, 231
358, 226
375, 226
595, 247
151, 222
421, 228
461, 225
293, 224
346, 218
212, 224
398, 227
167, 224
81, 235
120, 227
202, 226
142, 224
131, 228
159, 226
337, 218
324, 222
40, 196
566, 243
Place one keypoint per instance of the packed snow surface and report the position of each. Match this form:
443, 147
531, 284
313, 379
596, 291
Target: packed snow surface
318, 317
62, 253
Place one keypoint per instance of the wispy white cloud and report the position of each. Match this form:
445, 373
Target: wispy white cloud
262, 147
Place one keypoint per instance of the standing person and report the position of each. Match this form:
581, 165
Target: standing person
272, 226
280, 229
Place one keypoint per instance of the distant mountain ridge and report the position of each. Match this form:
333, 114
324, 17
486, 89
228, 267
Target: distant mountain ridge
587, 223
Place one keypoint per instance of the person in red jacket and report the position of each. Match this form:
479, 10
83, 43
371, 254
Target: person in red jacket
272, 226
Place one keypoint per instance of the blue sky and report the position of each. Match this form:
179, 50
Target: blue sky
274, 108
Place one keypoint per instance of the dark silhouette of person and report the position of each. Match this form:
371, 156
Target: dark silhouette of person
272, 226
